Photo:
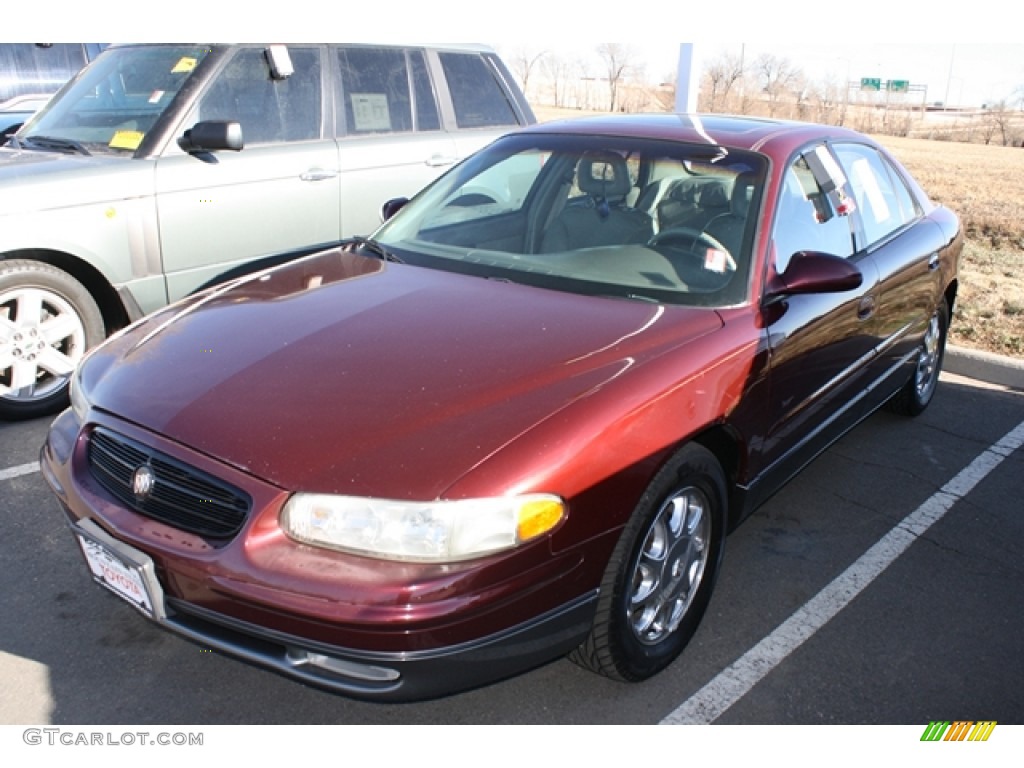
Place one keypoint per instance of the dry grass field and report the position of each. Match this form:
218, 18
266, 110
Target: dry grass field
984, 184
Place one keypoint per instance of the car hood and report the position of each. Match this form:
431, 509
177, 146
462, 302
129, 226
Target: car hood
343, 374
33, 180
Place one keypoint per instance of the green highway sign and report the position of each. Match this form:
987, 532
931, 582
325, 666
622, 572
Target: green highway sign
870, 83
898, 86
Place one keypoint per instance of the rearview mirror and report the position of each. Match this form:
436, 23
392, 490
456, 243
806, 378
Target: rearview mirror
212, 135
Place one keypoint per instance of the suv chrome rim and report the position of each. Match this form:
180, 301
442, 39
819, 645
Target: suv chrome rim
670, 566
41, 340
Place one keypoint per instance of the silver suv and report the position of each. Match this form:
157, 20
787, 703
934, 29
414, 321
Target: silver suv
161, 169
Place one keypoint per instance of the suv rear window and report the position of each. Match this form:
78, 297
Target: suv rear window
477, 96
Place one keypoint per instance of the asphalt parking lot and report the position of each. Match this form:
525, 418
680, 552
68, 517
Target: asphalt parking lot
882, 586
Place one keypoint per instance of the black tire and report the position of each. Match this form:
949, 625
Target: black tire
919, 390
47, 322
637, 632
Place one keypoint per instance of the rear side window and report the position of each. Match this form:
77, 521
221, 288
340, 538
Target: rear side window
37, 67
884, 202
386, 90
477, 95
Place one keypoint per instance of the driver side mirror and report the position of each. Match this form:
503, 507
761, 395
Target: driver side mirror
815, 272
211, 136
391, 207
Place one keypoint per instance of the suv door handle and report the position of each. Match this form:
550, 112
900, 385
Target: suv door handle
933, 262
318, 174
435, 161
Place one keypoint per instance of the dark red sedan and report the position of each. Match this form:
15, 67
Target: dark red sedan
517, 422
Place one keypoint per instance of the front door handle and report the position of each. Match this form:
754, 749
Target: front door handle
318, 174
867, 306
436, 161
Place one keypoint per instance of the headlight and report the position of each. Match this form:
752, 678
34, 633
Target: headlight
438, 531
79, 402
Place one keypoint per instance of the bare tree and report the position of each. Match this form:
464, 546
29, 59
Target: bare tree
619, 63
777, 78
721, 74
998, 118
556, 71
523, 61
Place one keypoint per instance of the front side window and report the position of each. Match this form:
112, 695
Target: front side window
269, 110
806, 218
884, 202
569, 213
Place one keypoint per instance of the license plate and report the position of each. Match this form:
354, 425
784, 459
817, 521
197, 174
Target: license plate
122, 569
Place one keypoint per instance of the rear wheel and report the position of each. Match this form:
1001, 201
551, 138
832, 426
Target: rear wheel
917, 393
661, 574
47, 322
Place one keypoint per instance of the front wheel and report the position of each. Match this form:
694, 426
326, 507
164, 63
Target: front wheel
661, 573
917, 393
47, 322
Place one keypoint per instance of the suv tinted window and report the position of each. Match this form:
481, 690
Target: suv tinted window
378, 88
37, 67
269, 110
477, 96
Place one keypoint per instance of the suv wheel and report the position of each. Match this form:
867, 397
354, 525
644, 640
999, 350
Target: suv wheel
47, 322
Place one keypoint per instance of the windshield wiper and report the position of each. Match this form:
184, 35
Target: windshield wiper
61, 145
375, 248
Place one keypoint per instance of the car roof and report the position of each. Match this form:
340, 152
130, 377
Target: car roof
773, 137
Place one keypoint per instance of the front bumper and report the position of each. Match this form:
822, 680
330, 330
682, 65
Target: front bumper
192, 596
382, 676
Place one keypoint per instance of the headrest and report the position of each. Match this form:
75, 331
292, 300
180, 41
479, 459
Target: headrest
713, 195
603, 175
743, 193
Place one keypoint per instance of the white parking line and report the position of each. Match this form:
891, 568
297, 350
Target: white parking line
24, 469
730, 685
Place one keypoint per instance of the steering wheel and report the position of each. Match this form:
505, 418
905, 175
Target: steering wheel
693, 236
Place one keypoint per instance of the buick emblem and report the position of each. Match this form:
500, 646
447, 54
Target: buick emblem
142, 482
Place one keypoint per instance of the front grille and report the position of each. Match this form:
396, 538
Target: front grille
180, 495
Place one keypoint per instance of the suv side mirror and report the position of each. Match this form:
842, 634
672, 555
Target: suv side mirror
212, 135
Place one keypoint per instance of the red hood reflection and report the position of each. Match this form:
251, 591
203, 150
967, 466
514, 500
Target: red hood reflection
341, 374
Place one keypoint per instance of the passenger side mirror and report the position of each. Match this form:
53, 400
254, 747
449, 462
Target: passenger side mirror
212, 135
391, 207
815, 272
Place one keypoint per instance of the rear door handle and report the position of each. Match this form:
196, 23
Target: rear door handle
933, 262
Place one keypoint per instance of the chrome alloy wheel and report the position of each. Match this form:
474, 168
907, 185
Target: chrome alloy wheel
670, 567
42, 338
927, 374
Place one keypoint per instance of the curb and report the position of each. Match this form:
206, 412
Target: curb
985, 366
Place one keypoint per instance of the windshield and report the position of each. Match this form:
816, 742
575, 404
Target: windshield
116, 100
640, 219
